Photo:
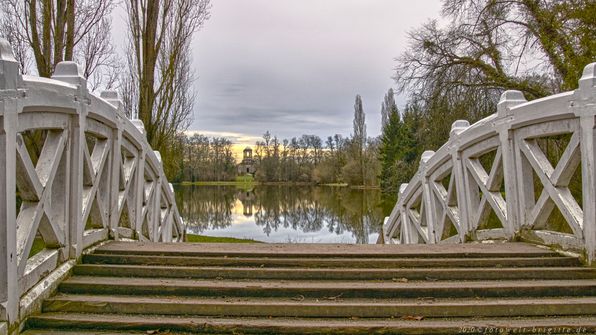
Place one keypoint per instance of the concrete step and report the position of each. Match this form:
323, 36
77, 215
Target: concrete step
321, 289
498, 262
119, 322
148, 288
117, 270
471, 250
330, 307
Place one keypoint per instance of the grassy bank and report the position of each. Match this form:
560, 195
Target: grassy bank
240, 181
192, 238
252, 182
248, 182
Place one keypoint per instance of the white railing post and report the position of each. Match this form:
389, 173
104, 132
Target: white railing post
156, 218
457, 172
405, 237
140, 184
585, 108
508, 100
428, 212
71, 73
9, 79
112, 98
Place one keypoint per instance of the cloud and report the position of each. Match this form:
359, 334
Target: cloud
294, 67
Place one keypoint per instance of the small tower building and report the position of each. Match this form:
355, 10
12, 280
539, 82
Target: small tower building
247, 165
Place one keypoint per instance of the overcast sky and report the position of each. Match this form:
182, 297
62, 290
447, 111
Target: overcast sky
293, 67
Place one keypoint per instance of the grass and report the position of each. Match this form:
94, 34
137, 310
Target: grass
241, 181
192, 238
38, 245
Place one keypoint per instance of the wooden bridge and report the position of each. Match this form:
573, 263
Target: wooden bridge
79, 184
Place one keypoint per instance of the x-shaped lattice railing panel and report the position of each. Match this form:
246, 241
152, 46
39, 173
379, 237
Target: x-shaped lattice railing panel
95, 176
35, 184
489, 184
417, 222
555, 182
444, 202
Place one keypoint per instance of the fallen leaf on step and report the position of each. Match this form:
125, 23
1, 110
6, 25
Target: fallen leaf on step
334, 297
412, 317
298, 297
152, 331
431, 279
400, 280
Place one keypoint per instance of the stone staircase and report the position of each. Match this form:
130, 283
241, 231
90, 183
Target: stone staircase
149, 288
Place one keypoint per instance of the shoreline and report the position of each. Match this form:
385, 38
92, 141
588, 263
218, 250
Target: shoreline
277, 183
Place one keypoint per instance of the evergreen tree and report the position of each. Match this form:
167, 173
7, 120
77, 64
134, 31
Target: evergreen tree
389, 150
400, 148
388, 107
359, 134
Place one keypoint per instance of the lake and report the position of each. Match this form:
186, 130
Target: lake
282, 214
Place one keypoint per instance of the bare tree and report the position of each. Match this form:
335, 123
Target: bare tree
536, 46
99, 59
158, 86
46, 32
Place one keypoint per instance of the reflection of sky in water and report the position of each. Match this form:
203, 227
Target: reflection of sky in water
283, 214
245, 227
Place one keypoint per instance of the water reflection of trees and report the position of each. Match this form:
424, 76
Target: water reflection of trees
206, 207
307, 209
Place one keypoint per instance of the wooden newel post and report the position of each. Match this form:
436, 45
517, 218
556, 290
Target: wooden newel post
584, 107
9, 79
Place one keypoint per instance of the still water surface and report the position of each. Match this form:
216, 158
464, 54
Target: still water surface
296, 214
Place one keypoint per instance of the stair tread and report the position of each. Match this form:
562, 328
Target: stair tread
329, 306
333, 273
338, 269
297, 325
324, 250
264, 283
342, 259
410, 262
331, 301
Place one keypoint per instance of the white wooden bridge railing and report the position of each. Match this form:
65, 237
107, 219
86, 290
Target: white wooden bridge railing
92, 177
500, 165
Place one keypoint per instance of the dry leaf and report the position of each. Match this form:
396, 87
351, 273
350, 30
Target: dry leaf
334, 297
412, 317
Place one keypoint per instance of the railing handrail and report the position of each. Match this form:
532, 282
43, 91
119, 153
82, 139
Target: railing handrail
96, 178
425, 205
